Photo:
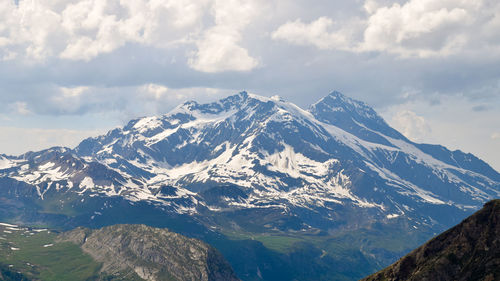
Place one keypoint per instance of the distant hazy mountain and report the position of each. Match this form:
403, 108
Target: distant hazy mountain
248, 164
468, 251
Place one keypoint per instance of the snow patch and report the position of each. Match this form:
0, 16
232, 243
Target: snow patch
7, 225
87, 183
6, 163
392, 216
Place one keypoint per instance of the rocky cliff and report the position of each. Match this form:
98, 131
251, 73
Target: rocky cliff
152, 253
468, 251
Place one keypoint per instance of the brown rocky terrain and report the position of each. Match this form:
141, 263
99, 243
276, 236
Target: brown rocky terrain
468, 251
151, 253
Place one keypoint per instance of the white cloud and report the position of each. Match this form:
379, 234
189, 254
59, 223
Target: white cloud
211, 34
20, 107
417, 28
97, 26
495, 136
68, 100
371, 6
85, 29
219, 51
74, 92
318, 33
219, 48
411, 125
420, 27
154, 91
29, 27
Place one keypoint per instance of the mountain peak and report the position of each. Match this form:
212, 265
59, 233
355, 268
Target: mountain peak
243, 94
336, 101
353, 116
214, 107
338, 95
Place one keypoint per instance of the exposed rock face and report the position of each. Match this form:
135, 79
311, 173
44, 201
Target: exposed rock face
152, 253
468, 251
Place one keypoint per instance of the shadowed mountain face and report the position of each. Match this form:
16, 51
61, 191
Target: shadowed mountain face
468, 251
248, 167
7, 274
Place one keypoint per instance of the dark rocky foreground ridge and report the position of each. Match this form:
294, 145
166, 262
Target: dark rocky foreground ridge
152, 253
468, 251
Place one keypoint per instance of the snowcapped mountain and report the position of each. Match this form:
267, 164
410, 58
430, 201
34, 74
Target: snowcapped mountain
337, 164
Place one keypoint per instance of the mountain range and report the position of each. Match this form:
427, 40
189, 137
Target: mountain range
249, 165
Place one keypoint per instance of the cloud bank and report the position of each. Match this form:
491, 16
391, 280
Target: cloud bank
417, 28
85, 29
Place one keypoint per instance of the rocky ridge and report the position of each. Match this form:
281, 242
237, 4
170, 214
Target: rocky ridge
152, 253
468, 251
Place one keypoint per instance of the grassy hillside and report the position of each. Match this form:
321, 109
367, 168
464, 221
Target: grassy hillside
342, 256
32, 254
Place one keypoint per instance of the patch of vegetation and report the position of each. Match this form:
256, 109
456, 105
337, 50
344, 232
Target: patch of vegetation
280, 243
61, 204
347, 255
34, 254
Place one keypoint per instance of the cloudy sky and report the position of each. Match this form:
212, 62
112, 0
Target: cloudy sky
72, 69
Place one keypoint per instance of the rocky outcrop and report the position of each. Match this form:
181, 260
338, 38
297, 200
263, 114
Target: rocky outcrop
152, 253
468, 251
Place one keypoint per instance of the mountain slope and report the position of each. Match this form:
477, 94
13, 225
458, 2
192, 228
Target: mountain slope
28, 253
152, 253
468, 251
